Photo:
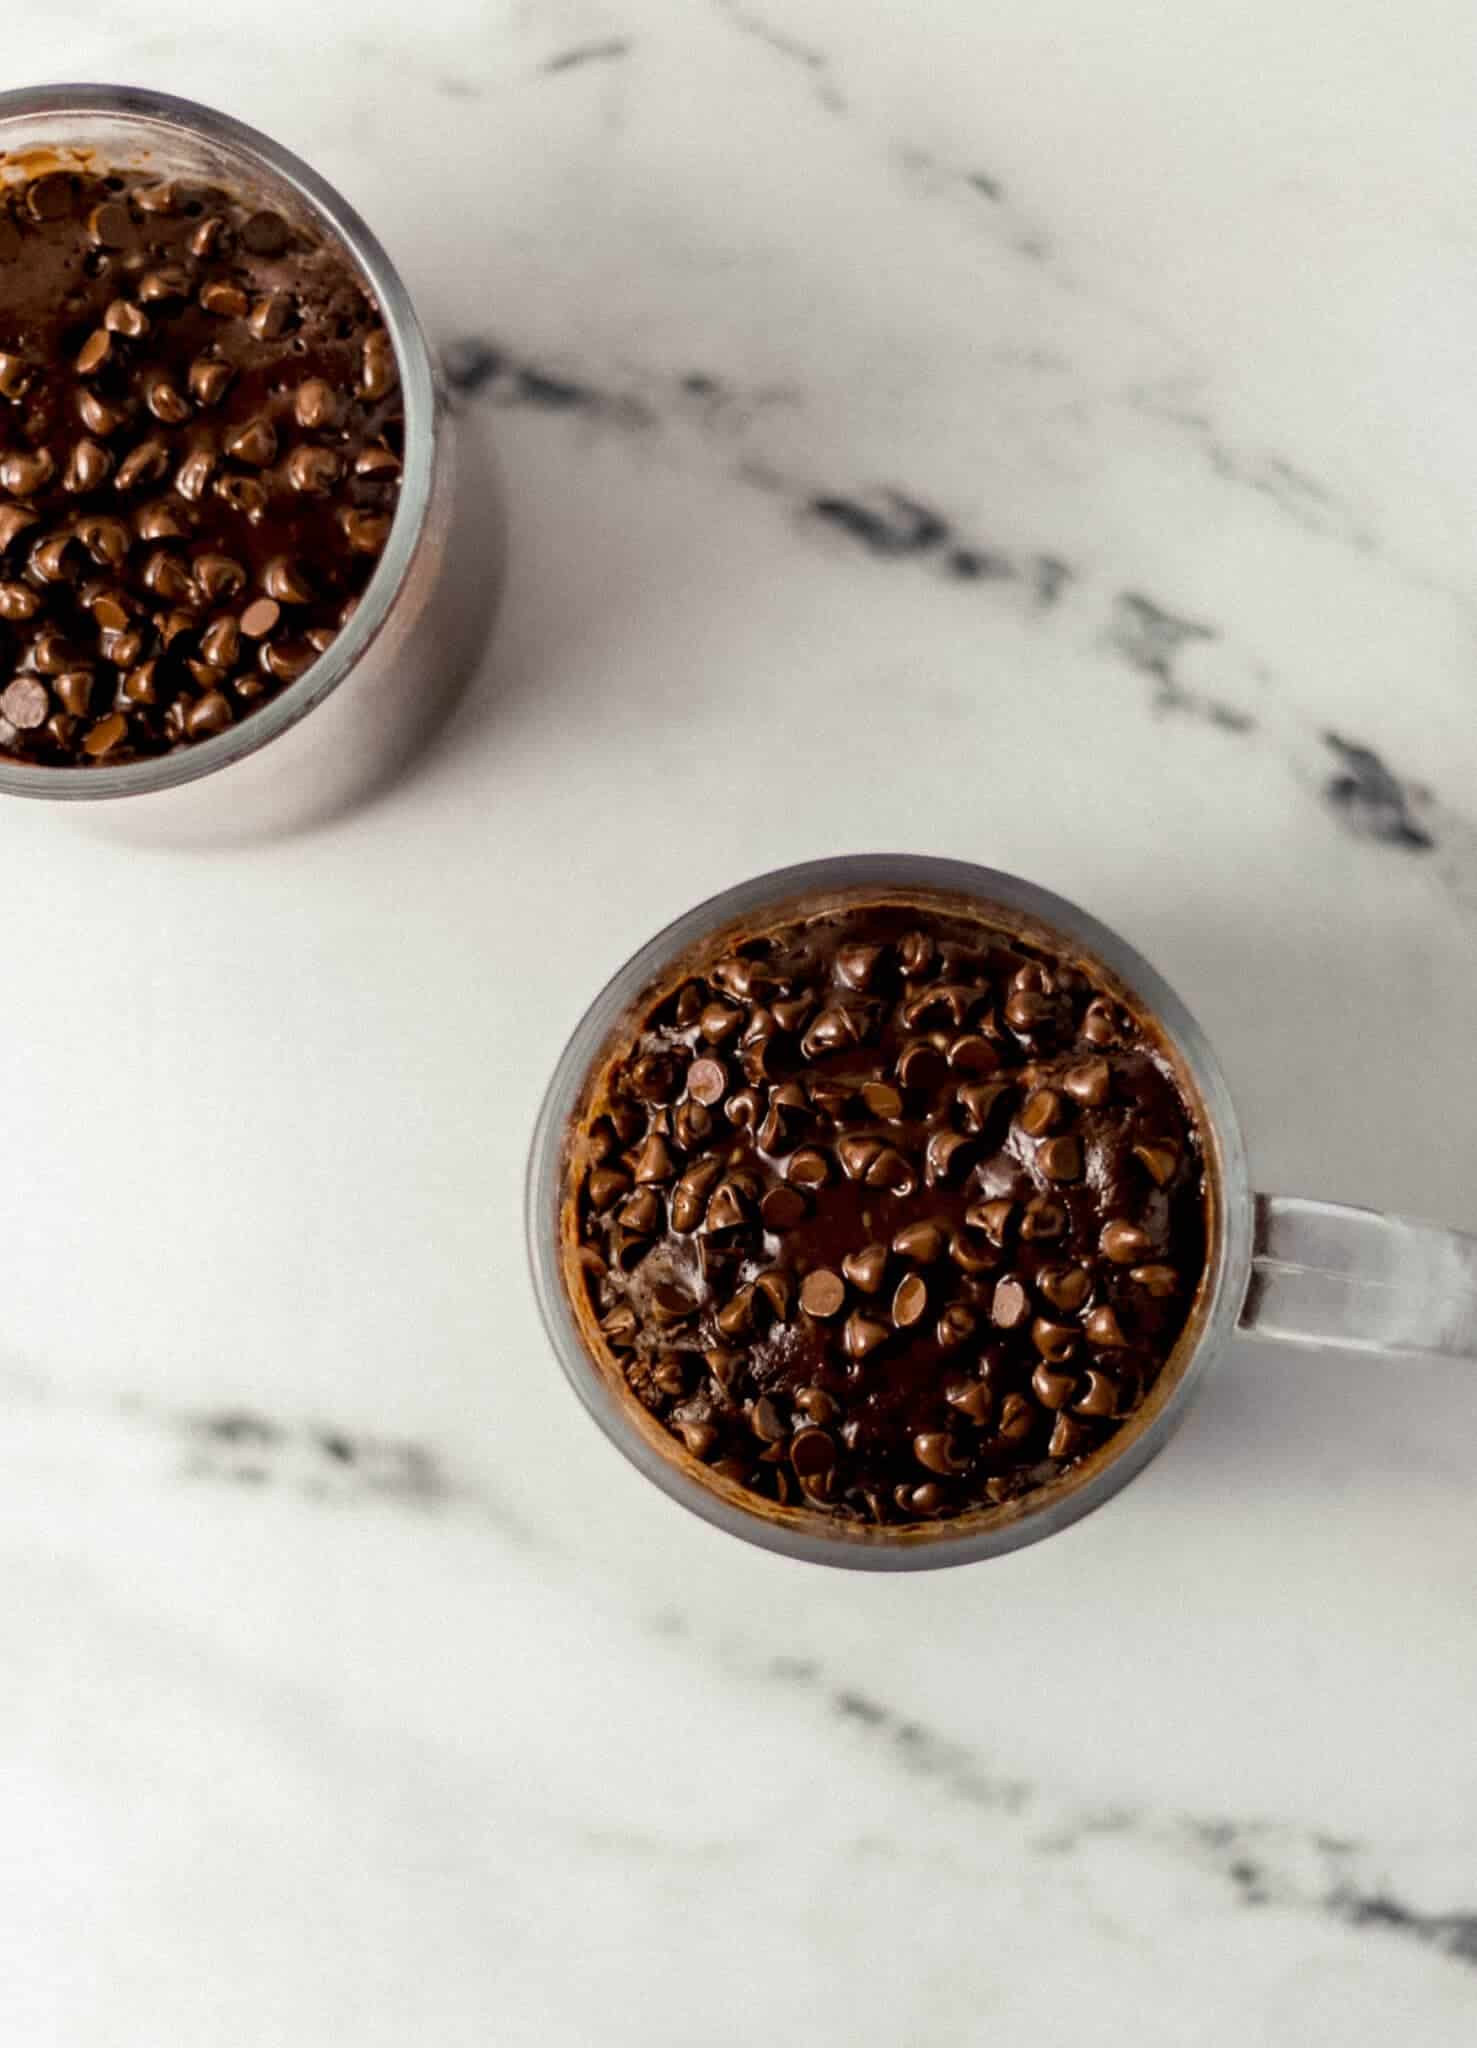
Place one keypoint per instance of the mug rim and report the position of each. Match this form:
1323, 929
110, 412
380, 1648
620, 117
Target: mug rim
255, 152
806, 1534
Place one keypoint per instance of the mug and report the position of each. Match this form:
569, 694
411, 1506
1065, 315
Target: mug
1280, 1267
358, 714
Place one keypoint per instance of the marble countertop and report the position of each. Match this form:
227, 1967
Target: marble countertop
1051, 428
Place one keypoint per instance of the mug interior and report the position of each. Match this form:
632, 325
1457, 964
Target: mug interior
1017, 907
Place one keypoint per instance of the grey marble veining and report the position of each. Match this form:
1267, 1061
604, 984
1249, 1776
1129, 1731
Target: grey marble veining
1042, 437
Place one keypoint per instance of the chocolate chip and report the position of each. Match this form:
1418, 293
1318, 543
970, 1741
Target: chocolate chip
948, 1154
781, 1209
971, 1398
1069, 1439
1060, 1158
994, 1218
366, 532
145, 464
244, 494
1041, 1112
972, 1252
283, 579
1103, 1330
1066, 1287
73, 690
254, 443
1159, 1281
813, 1459
706, 1081
220, 643
1043, 1217
890, 1170
883, 1100
316, 405
910, 1302
866, 1269
669, 1304
14, 521
1089, 1083
265, 233
16, 375
18, 602
88, 467
225, 300
973, 1055
97, 415
822, 1293
124, 318
1011, 1305
690, 1196
922, 1242
863, 1335
701, 1438
1159, 1161
27, 471
111, 226
94, 353
933, 1449
166, 281
1017, 1419
101, 738
313, 471
51, 559
857, 965
209, 380
1099, 1396
219, 576
26, 703
1124, 1243
955, 1326
378, 375
260, 618
921, 1065
1053, 1389
1100, 1023
981, 1101
49, 197
272, 315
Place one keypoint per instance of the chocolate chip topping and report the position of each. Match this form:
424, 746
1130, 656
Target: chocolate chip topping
889, 1213
200, 424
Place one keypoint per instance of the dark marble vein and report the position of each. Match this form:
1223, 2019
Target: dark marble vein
1299, 496
611, 51
1367, 799
474, 365
1261, 1865
1150, 638
248, 1449
806, 57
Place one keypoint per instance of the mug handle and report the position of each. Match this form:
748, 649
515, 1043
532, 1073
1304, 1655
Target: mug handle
1355, 1280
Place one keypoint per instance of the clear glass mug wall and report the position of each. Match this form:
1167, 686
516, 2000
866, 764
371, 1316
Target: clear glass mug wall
1283, 1268
347, 725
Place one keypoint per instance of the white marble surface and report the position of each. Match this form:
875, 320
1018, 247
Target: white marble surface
1057, 420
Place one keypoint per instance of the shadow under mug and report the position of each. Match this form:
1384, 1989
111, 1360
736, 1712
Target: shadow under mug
1286, 1269
347, 727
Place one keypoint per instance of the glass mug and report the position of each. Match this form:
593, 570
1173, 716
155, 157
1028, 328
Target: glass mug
1282, 1268
345, 727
